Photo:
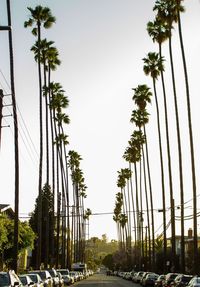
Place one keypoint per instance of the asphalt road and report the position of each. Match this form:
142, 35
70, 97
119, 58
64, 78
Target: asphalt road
99, 280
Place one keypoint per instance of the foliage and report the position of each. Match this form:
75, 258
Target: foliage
97, 249
108, 261
47, 215
26, 237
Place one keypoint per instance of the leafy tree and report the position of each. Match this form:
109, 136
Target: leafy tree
47, 211
25, 239
108, 261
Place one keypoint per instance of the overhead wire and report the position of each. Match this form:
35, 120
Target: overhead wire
24, 134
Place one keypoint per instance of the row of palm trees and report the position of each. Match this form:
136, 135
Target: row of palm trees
70, 215
167, 15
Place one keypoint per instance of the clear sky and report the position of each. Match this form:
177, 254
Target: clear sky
101, 45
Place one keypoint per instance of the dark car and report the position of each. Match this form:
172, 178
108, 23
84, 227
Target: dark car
9, 279
181, 280
144, 277
159, 281
150, 279
169, 278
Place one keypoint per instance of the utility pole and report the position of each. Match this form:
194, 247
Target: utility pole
1, 107
16, 151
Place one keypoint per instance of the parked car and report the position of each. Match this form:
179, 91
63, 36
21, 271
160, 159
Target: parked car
68, 280
74, 274
26, 280
150, 279
54, 276
169, 278
127, 276
181, 280
159, 281
194, 282
9, 279
144, 277
45, 276
138, 276
61, 280
36, 279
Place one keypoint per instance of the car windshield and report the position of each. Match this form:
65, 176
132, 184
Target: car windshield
42, 274
186, 279
33, 277
172, 276
4, 280
23, 280
64, 272
52, 273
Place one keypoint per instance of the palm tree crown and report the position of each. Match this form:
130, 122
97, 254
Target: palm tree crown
153, 65
40, 15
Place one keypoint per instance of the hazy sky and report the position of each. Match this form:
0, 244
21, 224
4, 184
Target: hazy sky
101, 45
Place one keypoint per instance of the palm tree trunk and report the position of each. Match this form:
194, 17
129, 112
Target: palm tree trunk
147, 211
173, 241
151, 200
133, 204
162, 177
179, 156
195, 246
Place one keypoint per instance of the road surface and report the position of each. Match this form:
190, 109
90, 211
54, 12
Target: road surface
102, 280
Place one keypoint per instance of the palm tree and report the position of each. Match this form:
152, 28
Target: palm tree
140, 118
42, 50
153, 65
142, 96
159, 32
40, 16
116, 216
143, 92
169, 11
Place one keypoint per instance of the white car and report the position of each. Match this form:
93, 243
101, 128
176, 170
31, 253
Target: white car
194, 282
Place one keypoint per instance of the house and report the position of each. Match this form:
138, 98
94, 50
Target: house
7, 210
188, 242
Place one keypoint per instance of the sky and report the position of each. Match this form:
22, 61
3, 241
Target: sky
101, 45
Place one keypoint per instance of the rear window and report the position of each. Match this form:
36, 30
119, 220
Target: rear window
4, 280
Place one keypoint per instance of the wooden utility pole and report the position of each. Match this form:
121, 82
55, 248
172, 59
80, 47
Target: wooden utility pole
1, 107
16, 148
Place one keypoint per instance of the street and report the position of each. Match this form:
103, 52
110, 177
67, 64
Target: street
99, 280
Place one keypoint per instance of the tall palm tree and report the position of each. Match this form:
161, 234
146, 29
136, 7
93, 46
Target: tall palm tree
41, 50
140, 118
116, 216
144, 93
159, 32
40, 16
169, 11
153, 65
